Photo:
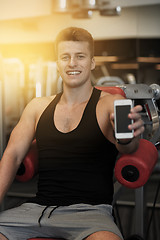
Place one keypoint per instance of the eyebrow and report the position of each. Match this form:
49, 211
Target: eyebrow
66, 53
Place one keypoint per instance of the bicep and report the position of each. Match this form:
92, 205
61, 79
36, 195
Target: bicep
23, 134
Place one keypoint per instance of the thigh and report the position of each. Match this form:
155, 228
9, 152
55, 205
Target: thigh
80, 221
21, 222
26, 214
75, 222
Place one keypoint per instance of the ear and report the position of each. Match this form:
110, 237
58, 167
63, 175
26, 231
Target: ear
93, 64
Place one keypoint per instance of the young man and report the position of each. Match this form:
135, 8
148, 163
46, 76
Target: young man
77, 151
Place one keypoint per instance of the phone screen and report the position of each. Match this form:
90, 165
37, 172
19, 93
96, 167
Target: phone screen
122, 118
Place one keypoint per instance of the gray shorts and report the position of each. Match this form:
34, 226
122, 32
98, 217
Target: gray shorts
74, 222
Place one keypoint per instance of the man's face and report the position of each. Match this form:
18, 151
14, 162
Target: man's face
74, 62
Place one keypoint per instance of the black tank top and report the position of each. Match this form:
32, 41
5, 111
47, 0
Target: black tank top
74, 167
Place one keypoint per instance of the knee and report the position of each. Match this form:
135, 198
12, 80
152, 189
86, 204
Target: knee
100, 235
2, 237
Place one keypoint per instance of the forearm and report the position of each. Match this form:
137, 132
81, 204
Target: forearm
127, 145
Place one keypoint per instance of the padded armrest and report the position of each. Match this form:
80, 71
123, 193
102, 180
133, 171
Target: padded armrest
112, 90
29, 167
133, 170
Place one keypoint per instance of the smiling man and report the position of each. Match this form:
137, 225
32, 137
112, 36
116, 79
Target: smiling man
74, 131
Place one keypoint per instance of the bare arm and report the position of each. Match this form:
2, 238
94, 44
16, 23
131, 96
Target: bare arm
18, 145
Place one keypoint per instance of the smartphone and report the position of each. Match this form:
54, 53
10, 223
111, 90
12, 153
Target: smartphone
122, 108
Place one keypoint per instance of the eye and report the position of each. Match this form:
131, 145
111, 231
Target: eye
65, 57
81, 56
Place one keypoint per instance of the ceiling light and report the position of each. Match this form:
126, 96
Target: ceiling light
82, 14
89, 4
84, 8
110, 11
62, 6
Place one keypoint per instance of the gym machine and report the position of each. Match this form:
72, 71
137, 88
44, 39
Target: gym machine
146, 96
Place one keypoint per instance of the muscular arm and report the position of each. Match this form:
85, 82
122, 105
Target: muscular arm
18, 145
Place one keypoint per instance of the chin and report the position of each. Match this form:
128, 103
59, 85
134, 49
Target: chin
74, 83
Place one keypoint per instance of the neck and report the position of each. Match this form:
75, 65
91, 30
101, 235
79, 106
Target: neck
76, 95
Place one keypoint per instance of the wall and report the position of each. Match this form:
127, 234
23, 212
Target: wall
42, 26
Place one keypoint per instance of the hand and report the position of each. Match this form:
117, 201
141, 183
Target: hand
138, 124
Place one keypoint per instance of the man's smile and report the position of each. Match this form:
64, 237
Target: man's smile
73, 72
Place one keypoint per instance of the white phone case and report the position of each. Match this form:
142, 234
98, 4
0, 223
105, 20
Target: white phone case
121, 110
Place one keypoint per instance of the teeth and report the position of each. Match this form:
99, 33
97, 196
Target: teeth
73, 73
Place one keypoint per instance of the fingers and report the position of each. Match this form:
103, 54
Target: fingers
138, 127
137, 108
138, 124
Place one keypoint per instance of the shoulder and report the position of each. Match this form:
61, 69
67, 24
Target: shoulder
37, 105
35, 108
40, 102
107, 99
105, 106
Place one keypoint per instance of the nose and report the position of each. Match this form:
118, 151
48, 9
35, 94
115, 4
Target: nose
73, 62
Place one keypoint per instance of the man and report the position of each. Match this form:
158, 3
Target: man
77, 151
